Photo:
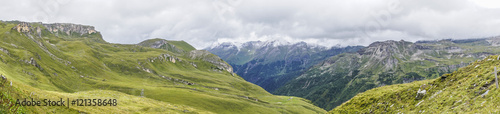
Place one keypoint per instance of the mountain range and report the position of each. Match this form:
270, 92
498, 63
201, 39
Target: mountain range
270, 64
335, 78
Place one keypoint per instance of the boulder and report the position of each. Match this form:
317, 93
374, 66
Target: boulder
420, 94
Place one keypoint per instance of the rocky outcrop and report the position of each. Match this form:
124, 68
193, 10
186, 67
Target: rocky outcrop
4, 50
35, 33
22, 27
420, 94
495, 41
164, 58
27, 28
164, 44
157, 44
209, 57
69, 29
33, 62
4, 79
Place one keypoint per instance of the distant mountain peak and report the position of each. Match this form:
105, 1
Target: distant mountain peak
225, 45
69, 28
261, 44
276, 43
388, 42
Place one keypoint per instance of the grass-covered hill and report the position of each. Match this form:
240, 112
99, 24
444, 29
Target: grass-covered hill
470, 89
339, 78
53, 61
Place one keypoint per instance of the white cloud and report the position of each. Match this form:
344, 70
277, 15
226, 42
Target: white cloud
487, 3
324, 22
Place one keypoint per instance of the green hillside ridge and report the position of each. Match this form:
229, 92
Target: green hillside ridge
45, 63
173, 46
470, 89
384, 63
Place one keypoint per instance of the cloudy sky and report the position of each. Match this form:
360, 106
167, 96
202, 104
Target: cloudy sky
324, 22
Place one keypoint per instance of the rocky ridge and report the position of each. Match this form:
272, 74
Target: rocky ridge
35, 28
70, 28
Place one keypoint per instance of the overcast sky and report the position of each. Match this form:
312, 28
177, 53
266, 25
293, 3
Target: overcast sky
324, 22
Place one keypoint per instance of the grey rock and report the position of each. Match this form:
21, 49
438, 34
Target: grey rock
69, 29
485, 93
420, 94
4, 50
209, 57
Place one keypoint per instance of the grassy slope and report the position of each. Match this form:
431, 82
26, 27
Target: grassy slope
462, 91
182, 45
87, 69
173, 46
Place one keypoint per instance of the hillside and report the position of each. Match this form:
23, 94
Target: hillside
339, 78
270, 64
172, 46
70, 61
471, 89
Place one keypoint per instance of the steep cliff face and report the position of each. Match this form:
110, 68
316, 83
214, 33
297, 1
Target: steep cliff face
339, 78
183, 49
271, 64
70, 28
26, 28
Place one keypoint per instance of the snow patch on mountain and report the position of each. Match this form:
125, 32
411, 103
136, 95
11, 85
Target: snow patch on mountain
263, 44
